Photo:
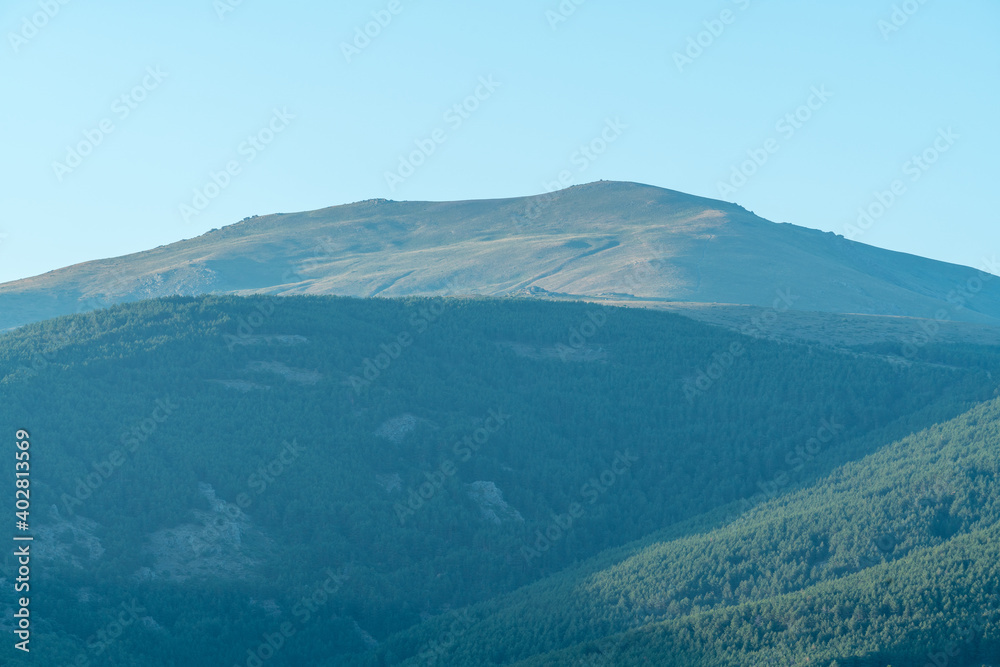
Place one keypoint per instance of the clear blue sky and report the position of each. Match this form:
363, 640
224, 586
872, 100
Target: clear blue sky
687, 124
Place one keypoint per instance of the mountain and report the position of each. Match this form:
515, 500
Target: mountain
622, 242
329, 481
614, 425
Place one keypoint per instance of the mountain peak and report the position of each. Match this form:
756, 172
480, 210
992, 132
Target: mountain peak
633, 241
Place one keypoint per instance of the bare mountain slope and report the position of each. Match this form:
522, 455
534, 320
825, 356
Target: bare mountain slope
608, 240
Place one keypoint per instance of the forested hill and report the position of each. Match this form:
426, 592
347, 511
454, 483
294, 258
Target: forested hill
482, 481
890, 560
607, 240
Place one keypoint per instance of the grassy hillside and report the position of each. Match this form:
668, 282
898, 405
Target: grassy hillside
335, 476
604, 240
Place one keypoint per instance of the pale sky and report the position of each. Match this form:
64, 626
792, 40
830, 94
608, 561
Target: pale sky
129, 125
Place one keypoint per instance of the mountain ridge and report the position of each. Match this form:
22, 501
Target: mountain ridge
597, 240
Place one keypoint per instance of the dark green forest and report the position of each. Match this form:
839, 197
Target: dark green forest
330, 481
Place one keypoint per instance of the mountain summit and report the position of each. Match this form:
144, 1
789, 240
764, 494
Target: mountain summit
610, 240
